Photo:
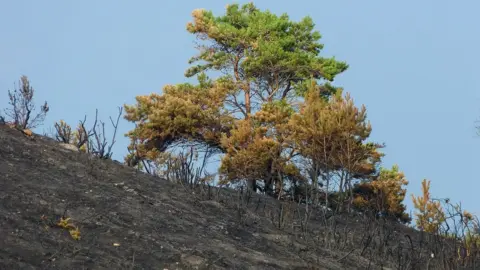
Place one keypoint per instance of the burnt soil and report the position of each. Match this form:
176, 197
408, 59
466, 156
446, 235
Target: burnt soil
131, 220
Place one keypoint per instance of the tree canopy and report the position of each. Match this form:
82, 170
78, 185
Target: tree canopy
272, 110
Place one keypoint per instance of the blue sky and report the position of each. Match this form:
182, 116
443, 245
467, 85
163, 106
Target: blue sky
414, 64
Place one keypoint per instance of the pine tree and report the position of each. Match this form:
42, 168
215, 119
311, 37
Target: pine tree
429, 213
266, 61
330, 132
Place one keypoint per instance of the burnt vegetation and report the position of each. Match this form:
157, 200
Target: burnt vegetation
300, 185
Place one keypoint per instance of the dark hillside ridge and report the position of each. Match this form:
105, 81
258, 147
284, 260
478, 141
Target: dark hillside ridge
131, 220
156, 223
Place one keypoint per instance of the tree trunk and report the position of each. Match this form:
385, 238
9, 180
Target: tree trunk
279, 185
248, 107
269, 186
245, 86
252, 185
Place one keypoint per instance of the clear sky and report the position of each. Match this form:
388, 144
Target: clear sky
414, 64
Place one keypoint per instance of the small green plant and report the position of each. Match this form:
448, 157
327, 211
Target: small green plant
429, 213
72, 229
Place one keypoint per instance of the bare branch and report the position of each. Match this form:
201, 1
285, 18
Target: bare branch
21, 101
99, 146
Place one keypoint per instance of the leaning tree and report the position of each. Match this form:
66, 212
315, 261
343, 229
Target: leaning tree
266, 67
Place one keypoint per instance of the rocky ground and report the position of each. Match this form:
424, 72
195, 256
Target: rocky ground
131, 220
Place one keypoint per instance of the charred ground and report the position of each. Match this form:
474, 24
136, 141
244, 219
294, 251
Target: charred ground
131, 220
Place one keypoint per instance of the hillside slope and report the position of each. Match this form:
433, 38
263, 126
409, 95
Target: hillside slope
127, 219
130, 220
